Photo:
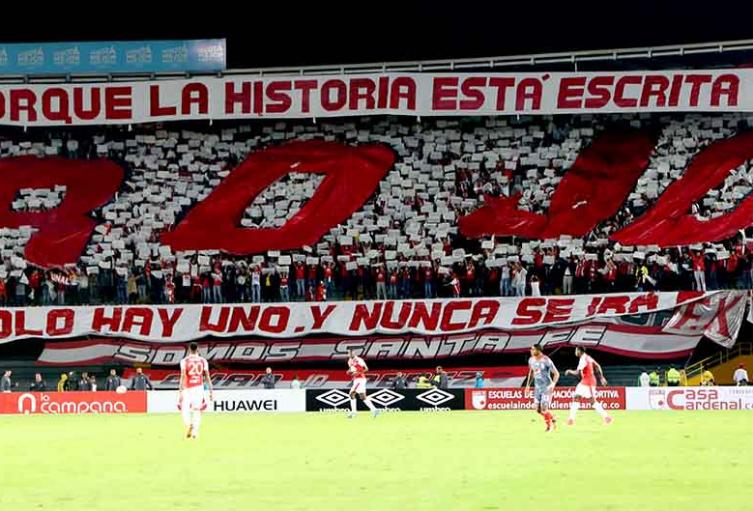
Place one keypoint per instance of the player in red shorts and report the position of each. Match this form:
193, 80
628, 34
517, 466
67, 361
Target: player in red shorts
586, 389
357, 370
194, 371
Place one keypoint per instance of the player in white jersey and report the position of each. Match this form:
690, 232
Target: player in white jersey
194, 373
357, 370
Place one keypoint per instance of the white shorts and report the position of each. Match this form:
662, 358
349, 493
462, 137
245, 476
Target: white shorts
193, 399
585, 391
359, 386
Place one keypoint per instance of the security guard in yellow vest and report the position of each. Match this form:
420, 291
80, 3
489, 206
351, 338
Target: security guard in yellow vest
423, 382
673, 377
653, 379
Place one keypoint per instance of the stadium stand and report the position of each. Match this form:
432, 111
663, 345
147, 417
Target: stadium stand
405, 236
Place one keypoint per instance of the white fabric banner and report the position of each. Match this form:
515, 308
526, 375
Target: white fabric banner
235, 401
414, 94
712, 314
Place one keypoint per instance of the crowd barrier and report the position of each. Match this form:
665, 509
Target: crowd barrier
337, 400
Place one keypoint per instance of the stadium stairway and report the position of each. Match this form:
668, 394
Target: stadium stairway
722, 364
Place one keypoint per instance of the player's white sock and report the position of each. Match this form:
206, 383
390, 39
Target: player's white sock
369, 403
600, 409
353, 405
573, 409
186, 413
196, 422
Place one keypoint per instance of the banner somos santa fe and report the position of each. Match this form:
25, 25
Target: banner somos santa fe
414, 94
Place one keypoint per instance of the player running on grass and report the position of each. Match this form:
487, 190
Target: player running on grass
544, 374
586, 389
194, 372
357, 370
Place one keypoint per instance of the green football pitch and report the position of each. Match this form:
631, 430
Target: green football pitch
400, 461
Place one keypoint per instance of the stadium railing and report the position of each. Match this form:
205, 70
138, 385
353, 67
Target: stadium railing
694, 371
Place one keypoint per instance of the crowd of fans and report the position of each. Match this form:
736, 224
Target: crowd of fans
403, 243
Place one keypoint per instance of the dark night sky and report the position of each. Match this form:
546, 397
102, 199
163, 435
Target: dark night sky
280, 33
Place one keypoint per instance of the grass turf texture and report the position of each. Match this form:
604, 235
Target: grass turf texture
417, 461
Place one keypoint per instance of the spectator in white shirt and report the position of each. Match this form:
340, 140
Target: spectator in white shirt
256, 285
504, 281
535, 286
644, 378
567, 281
519, 281
740, 376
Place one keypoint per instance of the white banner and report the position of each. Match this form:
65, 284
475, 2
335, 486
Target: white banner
689, 398
235, 401
713, 314
614, 336
415, 94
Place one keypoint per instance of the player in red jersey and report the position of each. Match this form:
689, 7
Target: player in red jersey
194, 372
587, 369
357, 370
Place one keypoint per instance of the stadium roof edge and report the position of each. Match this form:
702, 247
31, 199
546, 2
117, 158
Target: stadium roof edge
571, 58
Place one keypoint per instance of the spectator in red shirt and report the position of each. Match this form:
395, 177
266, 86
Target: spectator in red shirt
284, 294
455, 285
313, 272
581, 269
392, 285
216, 285
169, 289
405, 284
300, 281
699, 270
470, 278
3, 294
206, 284
429, 282
34, 284
329, 281
593, 273
381, 283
